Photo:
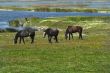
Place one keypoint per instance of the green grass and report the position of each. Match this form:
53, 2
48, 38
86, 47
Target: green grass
90, 55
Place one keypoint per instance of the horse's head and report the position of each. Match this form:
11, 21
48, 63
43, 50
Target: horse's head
16, 37
15, 41
66, 35
46, 31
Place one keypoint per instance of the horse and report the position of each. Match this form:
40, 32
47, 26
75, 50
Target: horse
73, 29
51, 33
26, 32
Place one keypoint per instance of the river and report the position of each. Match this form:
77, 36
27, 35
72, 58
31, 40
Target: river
11, 15
6, 16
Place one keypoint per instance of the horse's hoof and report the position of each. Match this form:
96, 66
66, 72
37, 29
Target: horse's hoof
56, 42
50, 42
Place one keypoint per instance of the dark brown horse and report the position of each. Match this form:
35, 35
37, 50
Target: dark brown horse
27, 32
73, 29
51, 33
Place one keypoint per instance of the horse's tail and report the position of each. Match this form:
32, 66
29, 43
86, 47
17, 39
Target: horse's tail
66, 33
16, 36
57, 31
67, 30
80, 32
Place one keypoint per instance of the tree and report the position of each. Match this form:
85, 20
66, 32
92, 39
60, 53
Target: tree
14, 23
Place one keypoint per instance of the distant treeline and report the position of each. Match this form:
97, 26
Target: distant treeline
47, 9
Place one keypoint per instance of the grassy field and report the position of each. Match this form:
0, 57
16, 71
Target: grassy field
90, 55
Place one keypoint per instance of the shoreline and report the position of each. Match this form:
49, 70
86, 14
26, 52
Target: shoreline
49, 9
101, 11
6, 10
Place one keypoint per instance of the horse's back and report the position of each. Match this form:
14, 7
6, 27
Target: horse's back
52, 31
55, 31
26, 32
74, 29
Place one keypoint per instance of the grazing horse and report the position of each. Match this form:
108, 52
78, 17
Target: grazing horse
73, 29
27, 32
51, 33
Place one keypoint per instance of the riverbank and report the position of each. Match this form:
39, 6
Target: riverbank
49, 9
61, 23
101, 22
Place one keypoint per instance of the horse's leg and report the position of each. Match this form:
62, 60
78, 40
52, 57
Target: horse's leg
32, 38
49, 39
69, 36
56, 39
66, 35
20, 40
72, 35
23, 40
80, 35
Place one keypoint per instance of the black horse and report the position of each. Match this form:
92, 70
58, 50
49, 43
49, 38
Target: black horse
51, 33
73, 29
27, 32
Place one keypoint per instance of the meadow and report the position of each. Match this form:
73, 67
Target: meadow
90, 55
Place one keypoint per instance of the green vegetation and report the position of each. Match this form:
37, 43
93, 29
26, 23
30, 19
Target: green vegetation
90, 55
15, 8
41, 8
63, 22
48, 9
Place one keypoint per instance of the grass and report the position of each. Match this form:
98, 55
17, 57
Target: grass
90, 55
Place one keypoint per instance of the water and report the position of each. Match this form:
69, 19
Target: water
11, 15
6, 16
4, 25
